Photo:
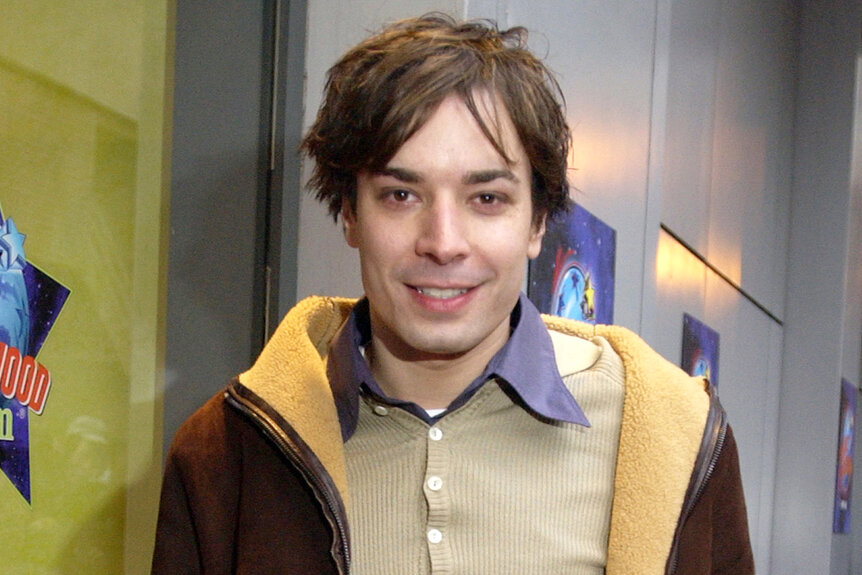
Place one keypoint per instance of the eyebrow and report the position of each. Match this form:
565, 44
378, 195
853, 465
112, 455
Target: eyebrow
485, 176
401, 174
471, 178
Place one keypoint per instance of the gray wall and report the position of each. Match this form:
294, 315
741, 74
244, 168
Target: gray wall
239, 69
821, 338
216, 183
730, 124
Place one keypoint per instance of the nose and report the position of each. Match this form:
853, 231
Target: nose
443, 234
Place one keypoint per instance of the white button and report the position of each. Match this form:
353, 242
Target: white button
435, 536
435, 483
435, 434
381, 410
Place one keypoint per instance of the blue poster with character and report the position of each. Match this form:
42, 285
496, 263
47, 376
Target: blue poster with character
573, 276
844, 471
700, 345
29, 303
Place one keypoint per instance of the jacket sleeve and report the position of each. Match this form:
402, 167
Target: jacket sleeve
232, 504
176, 545
715, 539
199, 497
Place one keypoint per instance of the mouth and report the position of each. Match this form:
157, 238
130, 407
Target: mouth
441, 293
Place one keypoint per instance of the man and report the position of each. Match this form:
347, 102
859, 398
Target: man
440, 425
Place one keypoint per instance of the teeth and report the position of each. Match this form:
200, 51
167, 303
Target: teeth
441, 293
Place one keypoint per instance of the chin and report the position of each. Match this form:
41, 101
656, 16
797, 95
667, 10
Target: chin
437, 347
442, 344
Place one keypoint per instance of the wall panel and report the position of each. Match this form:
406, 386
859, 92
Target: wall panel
752, 148
820, 231
688, 123
728, 146
216, 180
602, 53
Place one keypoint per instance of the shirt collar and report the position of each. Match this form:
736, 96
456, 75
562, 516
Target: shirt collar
526, 364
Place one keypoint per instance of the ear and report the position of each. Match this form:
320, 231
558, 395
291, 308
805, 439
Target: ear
348, 222
536, 235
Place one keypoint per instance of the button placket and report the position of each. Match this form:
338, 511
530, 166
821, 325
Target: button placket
436, 489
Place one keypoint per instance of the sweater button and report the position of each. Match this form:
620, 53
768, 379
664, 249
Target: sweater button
435, 536
381, 410
435, 483
435, 434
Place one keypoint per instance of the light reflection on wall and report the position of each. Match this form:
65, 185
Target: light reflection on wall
607, 161
739, 207
690, 283
677, 269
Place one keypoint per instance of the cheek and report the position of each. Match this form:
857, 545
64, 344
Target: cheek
378, 250
511, 245
508, 259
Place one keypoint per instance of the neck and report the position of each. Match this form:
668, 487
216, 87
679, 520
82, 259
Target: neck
430, 381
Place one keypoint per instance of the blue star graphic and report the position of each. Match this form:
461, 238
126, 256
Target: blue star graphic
11, 247
29, 303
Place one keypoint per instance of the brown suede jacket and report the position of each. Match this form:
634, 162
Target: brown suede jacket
255, 480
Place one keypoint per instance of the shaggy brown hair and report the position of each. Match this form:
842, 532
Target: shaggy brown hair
383, 90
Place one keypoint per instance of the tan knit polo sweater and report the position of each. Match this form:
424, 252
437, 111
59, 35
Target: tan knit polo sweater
490, 489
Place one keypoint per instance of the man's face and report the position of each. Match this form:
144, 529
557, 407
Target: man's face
443, 235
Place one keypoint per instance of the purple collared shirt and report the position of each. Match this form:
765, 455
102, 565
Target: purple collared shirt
525, 366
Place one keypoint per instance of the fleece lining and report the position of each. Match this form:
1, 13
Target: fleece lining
303, 396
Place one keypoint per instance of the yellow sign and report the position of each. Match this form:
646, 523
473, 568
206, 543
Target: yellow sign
82, 179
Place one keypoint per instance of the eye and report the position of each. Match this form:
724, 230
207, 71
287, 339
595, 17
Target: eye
399, 195
487, 198
490, 202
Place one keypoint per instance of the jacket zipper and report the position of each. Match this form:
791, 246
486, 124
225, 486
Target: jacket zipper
711, 447
286, 446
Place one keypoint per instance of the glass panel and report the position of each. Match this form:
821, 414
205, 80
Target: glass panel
82, 246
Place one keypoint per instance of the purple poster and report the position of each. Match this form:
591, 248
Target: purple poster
29, 303
573, 276
699, 349
844, 471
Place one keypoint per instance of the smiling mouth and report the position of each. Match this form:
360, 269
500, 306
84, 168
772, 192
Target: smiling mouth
441, 293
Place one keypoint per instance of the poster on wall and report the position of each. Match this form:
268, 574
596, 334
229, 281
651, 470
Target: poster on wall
699, 349
29, 303
573, 276
844, 471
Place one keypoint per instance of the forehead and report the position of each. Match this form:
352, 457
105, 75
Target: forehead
477, 129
